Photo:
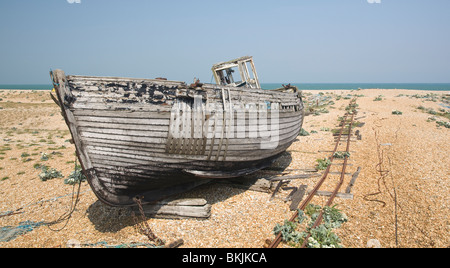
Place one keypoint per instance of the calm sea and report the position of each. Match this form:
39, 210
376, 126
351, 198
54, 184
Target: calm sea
27, 87
352, 86
308, 86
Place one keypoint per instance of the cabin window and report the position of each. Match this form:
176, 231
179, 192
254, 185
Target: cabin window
230, 76
240, 73
250, 70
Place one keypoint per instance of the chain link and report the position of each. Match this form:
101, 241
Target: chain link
142, 226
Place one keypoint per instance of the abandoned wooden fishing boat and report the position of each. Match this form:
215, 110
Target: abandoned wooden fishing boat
154, 138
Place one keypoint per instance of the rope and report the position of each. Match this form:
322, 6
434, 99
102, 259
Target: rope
64, 217
16, 211
125, 245
53, 80
9, 233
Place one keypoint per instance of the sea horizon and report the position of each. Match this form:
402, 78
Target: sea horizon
355, 86
301, 86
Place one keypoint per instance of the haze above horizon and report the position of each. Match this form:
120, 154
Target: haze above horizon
297, 41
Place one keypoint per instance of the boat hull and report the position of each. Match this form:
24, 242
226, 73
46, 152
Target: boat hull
155, 138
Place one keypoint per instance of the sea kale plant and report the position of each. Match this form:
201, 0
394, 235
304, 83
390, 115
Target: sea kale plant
322, 164
49, 173
321, 236
341, 155
75, 176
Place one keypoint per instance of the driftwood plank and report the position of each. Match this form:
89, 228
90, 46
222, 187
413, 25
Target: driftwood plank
175, 244
294, 177
280, 183
184, 202
281, 169
340, 195
298, 197
352, 181
178, 209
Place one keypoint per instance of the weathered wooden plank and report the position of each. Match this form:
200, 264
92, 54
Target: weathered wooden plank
284, 125
284, 137
94, 84
298, 197
124, 120
119, 162
132, 113
172, 93
174, 244
122, 137
141, 175
294, 177
277, 188
85, 79
177, 211
108, 184
154, 118
64, 97
127, 153
183, 202
115, 106
143, 158
340, 195
352, 181
101, 125
124, 132
136, 143
160, 147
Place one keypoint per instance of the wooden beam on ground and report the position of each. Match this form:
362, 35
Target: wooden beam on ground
298, 197
178, 209
175, 244
294, 177
290, 169
340, 195
276, 189
352, 181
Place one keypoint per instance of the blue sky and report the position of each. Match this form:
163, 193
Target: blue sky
297, 41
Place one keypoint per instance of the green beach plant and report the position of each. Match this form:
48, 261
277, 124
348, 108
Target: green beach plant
49, 173
442, 123
75, 176
321, 236
379, 98
303, 132
341, 154
322, 164
44, 157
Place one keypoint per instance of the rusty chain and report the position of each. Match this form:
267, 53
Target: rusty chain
142, 226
